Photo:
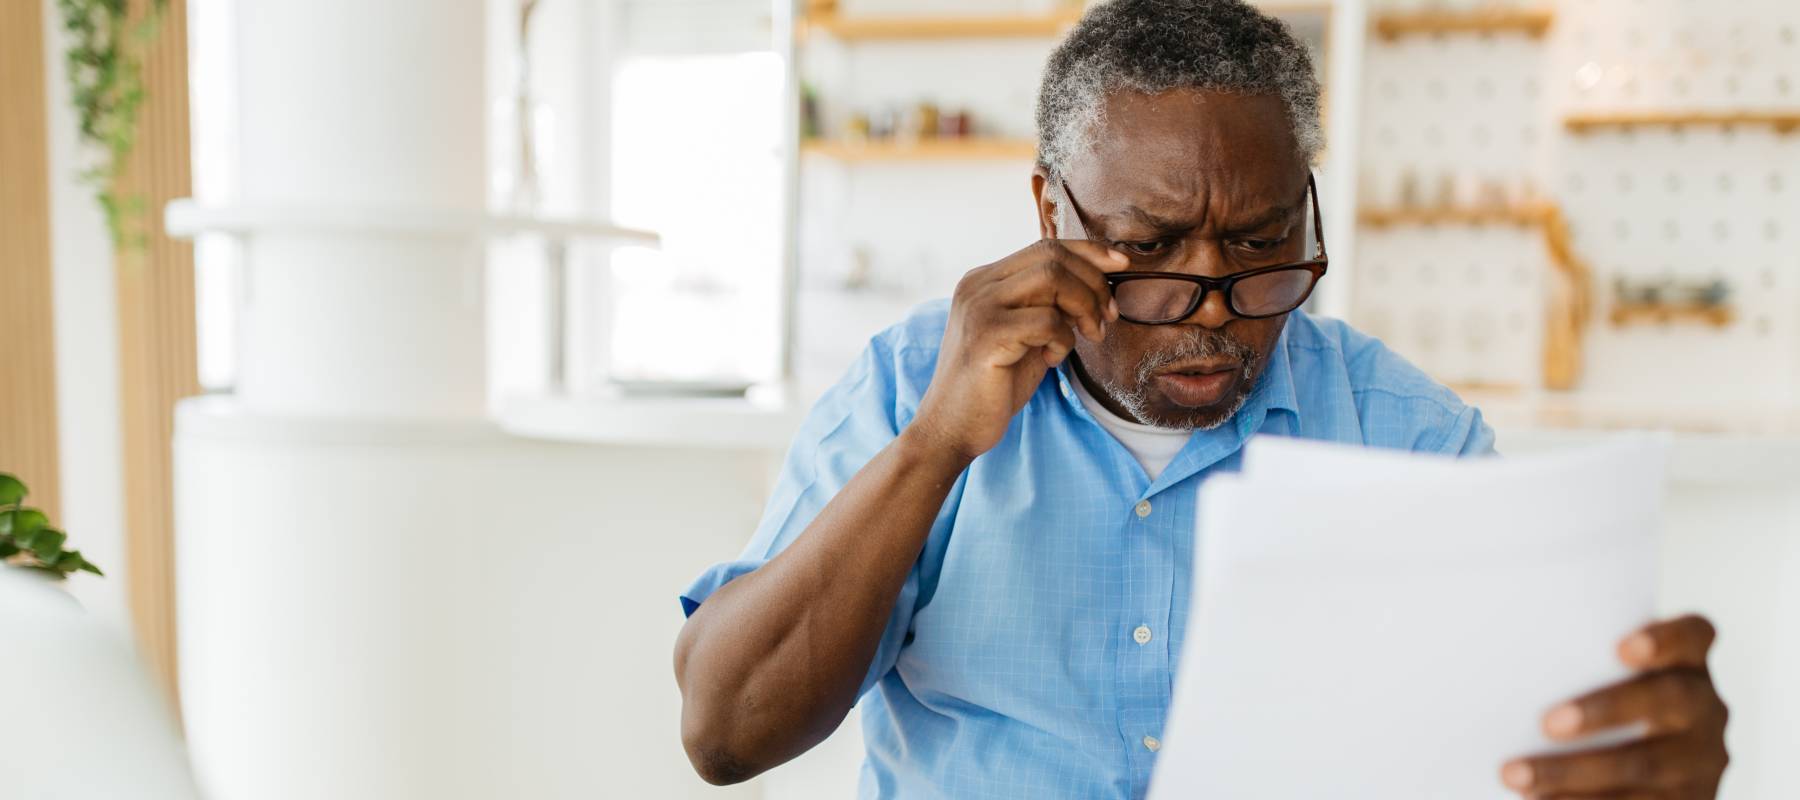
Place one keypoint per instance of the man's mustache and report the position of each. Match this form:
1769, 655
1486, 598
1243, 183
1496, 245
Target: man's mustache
1203, 345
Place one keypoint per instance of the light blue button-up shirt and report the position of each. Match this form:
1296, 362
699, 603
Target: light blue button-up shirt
1032, 650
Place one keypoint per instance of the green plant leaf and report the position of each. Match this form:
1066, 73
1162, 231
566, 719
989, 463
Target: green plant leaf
88, 566
70, 561
12, 490
22, 524
105, 56
8, 549
47, 545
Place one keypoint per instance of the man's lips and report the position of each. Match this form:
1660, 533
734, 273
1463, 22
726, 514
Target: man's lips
1201, 367
1198, 384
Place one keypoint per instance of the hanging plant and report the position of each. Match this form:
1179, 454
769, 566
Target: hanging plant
105, 61
28, 541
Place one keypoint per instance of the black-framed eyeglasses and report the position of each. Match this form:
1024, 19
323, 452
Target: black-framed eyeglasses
1163, 298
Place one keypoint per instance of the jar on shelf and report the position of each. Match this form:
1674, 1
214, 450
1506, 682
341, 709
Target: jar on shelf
954, 125
856, 128
923, 122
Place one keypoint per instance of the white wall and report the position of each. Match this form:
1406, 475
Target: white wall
87, 353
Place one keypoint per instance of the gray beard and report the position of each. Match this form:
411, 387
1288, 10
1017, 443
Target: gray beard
1135, 399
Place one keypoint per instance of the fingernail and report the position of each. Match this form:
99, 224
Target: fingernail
1119, 257
1563, 720
1112, 307
1517, 775
1639, 648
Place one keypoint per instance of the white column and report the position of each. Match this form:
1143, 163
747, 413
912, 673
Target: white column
376, 109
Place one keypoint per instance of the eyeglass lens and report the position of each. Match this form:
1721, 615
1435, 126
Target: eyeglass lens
1167, 299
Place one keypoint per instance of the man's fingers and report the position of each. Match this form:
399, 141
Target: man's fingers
1094, 279
1682, 642
1088, 262
1668, 702
1055, 353
1649, 764
1102, 257
1094, 254
1014, 334
1075, 289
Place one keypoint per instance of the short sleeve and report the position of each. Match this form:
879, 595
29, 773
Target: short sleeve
851, 423
1391, 402
1469, 436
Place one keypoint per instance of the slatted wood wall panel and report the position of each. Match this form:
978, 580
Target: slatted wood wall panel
27, 339
156, 342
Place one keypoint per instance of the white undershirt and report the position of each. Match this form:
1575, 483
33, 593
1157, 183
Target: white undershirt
1153, 447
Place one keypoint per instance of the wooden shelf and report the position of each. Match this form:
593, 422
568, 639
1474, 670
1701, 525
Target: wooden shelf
1284, 7
854, 27
1468, 389
923, 150
1531, 22
1665, 313
1781, 121
1504, 215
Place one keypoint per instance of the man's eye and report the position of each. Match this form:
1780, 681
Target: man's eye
1144, 248
1258, 245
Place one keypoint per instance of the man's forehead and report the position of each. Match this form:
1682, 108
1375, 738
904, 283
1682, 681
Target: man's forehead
1171, 148
1198, 123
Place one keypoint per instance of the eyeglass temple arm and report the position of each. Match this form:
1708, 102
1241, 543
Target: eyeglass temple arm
1312, 188
1075, 210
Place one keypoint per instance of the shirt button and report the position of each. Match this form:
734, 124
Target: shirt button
1141, 635
1151, 744
1143, 508
1065, 390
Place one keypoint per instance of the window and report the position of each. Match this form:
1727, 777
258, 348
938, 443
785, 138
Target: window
697, 156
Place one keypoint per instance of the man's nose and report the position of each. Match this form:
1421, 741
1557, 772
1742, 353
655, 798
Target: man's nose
1215, 308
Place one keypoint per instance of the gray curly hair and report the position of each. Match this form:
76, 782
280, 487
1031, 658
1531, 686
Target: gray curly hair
1154, 46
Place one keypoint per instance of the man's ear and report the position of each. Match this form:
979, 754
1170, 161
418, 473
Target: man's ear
1045, 201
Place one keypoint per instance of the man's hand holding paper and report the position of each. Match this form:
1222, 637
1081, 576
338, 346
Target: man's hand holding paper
1671, 698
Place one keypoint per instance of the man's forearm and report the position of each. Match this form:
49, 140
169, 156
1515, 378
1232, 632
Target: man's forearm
770, 664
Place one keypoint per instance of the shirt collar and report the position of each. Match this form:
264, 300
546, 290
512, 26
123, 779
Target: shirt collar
1277, 385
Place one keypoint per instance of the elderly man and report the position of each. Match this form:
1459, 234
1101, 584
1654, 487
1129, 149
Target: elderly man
984, 531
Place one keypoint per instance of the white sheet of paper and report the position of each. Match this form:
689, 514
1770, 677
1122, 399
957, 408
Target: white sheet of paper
1381, 625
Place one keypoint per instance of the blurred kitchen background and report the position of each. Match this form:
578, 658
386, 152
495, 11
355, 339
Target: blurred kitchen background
451, 339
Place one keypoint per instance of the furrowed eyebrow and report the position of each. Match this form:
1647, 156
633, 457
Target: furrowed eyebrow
1164, 225
1154, 221
1272, 216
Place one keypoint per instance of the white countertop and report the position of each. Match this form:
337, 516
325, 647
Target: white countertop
1714, 444
766, 420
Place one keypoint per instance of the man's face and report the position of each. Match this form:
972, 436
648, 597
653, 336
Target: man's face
1185, 181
